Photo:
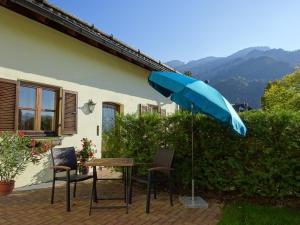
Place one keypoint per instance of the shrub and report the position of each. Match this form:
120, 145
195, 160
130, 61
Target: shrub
265, 163
87, 151
16, 152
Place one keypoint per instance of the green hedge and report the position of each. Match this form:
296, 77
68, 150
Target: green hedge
265, 163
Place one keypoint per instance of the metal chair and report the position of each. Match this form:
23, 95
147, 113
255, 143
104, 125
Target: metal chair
159, 172
64, 159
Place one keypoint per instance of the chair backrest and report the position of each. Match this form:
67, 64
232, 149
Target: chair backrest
64, 157
164, 158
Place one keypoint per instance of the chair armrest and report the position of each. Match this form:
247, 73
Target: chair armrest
160, 168
61, 168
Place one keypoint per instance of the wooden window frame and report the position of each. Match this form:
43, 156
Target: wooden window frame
38, 108
150, 108
118, 106
153, 108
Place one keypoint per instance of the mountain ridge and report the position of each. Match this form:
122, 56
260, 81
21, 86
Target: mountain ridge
256, 66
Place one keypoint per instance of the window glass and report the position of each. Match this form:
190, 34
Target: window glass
27, 97
108, 116
26, 119
48, 99
47, 121
37, 109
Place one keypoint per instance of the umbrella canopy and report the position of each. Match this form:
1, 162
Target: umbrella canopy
197, 96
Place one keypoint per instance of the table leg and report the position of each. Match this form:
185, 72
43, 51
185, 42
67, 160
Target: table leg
126, 193
129, 185
95, 184
91, 199
125, 183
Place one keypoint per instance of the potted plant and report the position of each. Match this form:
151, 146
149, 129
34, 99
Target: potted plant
16, 152
86, 152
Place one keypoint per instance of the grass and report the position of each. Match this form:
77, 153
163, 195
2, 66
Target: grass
241, 213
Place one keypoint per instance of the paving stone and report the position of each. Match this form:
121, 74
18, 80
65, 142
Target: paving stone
32, 207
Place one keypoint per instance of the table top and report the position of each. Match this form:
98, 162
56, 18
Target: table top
110, 162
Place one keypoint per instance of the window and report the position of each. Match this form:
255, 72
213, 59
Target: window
109, 111
37, 109
152, 109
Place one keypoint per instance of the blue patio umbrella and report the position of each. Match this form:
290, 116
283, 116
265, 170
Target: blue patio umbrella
198, 97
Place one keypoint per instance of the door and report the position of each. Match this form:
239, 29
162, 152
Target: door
109, 112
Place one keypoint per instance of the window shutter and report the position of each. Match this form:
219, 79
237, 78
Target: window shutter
8, 105
69, 115
143, 109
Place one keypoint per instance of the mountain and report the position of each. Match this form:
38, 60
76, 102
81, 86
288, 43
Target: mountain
175, 63
246, 51
243, 75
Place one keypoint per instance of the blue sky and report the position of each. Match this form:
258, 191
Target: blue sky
192, 29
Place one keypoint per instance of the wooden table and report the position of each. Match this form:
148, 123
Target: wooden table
126, 164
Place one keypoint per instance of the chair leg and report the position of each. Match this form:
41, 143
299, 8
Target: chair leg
52, 192
155, 191
148, 193
68, 192
74, 190
171, 192
130, 192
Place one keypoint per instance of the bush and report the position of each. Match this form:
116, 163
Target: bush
16, 152
265, 163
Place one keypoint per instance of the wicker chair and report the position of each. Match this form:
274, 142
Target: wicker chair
64, 160
159, 172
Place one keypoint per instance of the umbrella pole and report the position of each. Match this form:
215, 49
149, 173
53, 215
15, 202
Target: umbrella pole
192, 201
193, 185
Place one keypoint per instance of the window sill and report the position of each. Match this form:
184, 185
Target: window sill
55, 140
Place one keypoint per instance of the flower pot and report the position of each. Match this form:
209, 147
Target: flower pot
84, 170
6, 187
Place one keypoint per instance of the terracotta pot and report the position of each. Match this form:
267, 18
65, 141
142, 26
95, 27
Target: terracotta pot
85, 170
6, 187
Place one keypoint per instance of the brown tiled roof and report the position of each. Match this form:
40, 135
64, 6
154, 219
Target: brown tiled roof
58, 19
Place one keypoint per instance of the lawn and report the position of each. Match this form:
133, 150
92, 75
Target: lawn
250, 214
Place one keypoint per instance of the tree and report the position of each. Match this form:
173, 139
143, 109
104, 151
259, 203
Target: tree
188, 73
283, 94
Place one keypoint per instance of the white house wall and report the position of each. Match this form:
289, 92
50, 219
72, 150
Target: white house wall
31, 51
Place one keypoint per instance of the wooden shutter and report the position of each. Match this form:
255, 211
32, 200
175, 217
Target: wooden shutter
143, 108
69, 115
8, 105
162, 112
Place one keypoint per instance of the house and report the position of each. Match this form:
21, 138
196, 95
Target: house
55, 68
241, 107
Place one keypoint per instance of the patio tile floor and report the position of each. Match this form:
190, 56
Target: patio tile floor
33, 208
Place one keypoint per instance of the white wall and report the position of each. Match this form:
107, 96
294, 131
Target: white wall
31, 51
